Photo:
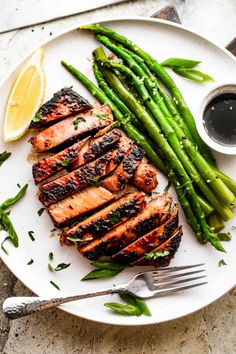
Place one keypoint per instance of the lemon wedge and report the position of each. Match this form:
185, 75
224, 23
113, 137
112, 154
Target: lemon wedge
25, 97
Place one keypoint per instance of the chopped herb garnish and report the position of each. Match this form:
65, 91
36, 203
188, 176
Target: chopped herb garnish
105, 270
156, 254
4, 156
7, 225
115, 217
167, 187
224, 236
59, 267
101, 115
180, 63
222, 263
11, 201
79, 239
127, 310
101, 273
50, 255
94, 181
40, 211
192, 74
234, 227
65, 163
30, 262
76, 122
135, 306
31, 235
54, 284
18, 185
2, 247
37, 118
98, 228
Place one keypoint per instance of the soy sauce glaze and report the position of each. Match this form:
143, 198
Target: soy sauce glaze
220, 119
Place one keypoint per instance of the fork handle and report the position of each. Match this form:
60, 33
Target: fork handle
16, 307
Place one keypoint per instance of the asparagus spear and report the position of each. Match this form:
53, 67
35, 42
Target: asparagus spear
229, 182
155, 67
216, 184
111, 77
114, 98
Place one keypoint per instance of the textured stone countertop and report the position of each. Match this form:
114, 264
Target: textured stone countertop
211, 330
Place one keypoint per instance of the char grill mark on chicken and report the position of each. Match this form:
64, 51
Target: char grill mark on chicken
78, 154
84, 176
106, 219
64, 103
79, 204
50, 166
129, 231
94, 148
125, 171
148, 242
70, 129
145, 177
171, 245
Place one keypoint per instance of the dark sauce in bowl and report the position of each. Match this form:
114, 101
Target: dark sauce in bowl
220, 119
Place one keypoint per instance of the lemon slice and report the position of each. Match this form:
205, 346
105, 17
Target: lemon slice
25, 97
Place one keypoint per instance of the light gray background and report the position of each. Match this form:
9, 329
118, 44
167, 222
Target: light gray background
211, 330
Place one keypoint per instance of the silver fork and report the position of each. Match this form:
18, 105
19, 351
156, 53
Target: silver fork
145, 285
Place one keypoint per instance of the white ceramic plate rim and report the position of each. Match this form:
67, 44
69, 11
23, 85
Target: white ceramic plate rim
114, 19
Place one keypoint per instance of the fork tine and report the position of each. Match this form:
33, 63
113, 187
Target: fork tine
165, 276
174, 290
174, 269
170, 284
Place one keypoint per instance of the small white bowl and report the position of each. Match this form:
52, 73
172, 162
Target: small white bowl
217, 91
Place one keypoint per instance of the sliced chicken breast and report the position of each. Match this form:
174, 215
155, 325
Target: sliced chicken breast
79, 204
84, 176
106, 219
129, 231
148, 242
64, 103
171, 246
71, 129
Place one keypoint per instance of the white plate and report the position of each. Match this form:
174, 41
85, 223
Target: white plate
162, 40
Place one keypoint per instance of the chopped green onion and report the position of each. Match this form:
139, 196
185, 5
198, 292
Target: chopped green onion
11, 201
59, 267
222, 263
156, 254
31, 235
4, 156
40, 211
76, 122
54, 284
179, 62
192, 74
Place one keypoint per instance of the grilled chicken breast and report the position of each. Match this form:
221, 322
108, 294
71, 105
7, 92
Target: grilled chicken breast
71, 129
78, 204
128, 232
94, 148
64, 103
145, 177
106, 219
49, 166
125, 171
171, 245
84, 176
148, 242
